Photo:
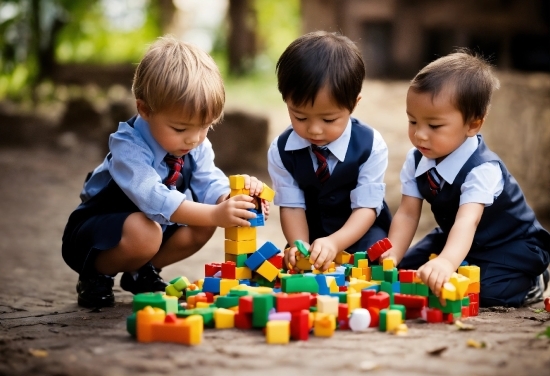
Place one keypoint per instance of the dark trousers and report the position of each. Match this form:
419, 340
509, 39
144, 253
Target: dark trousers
508, 271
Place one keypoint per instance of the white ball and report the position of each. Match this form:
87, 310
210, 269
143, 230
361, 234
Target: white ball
359, 320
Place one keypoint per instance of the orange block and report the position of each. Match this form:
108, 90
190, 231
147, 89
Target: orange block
473, 288
171, 330
145, 319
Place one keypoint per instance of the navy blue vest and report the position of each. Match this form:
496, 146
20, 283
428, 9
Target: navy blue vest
328, 206
509, 217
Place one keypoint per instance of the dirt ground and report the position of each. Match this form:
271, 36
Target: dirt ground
44, 332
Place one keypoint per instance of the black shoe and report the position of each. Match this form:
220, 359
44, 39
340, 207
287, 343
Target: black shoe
535, 295
146, 279
95, 291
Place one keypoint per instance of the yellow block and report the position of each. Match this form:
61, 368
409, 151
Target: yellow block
332, 285
342, 258
277, 332
388, 264
354, 301
227, 284
240, 247
267, 193
363, 263
303, 264
196, 325
144, 320
356, 272
327, 304
461, 283
202, 305
236, 192
393, 319
470, 271
359, 284
236, 181
224, 318
268, 271
448, 292
432, 256
367, 272
240, 233
199, 283
324, 325
243, 273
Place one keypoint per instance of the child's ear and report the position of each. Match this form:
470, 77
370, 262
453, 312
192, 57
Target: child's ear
474, 126
357, 101
143, 109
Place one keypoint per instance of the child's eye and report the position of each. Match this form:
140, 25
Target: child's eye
299, 119
329, 120
412, 122
433, 126
178, 130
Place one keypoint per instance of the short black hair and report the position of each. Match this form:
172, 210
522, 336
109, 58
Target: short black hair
469, 73
317, 59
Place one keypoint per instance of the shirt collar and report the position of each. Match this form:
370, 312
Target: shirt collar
451, 165
338, 147
142, 127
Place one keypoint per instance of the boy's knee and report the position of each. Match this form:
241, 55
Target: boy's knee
141, 237
201, 235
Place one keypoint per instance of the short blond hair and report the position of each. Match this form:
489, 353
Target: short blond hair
177, 75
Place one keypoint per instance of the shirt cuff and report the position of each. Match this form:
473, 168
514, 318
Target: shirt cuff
485, 198
171, 203
290, 197
368, 196
411, 189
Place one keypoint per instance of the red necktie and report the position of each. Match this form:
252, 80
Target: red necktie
322, 154
434, 181
175, 165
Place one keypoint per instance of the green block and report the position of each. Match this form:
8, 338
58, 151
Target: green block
302, 284
261, 281
408, 288
301, 248
383, 320
206, 313
261, 305
238, 292
347, 271
391, 275
466, 301
240, 259
377, 272
312, 309
227, 301
155, 300
386, 287
192, 292
342, 296
433, 302
131, 324
452, 306
358, 256
179, 283
400, 307
421, 289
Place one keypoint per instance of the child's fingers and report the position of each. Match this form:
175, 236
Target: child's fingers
246, 181
321, 259
326, 265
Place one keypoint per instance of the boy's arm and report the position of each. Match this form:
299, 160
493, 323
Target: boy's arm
438, 270
294, 226
403, 227
324, 250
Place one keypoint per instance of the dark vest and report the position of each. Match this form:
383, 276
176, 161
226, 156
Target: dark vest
328, 206
509, 217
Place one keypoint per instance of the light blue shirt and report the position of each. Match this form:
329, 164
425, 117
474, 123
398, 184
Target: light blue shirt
482, 185
370, 189
136, 164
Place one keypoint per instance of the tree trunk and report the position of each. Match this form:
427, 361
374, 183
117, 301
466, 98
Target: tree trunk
242, 36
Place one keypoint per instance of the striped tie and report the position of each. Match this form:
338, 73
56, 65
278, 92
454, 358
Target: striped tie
175, 165
434, 181
322, 170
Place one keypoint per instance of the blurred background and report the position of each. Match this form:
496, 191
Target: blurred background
66, 68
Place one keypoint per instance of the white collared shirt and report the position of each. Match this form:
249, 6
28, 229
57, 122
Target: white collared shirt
370, 189
482, 185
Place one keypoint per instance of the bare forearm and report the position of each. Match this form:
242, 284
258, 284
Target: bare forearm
294, 224
194, 214
404, 225
359, 222
459, 241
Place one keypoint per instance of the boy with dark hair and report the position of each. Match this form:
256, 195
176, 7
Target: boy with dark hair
327, 168
481, 212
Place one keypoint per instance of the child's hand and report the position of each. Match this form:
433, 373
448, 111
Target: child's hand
233, 211
254, 185
265, 209
323, 251
435, 273
290, 258
390, 255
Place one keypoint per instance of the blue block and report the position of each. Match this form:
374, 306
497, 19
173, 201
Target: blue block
255, 260
244, 282
396, 287
276, 290
211, 284
339, 277
464, 263
322, 282
258, 221
268, 250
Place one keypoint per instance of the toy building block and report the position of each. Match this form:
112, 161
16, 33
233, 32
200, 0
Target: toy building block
359, 320
227, 284
470, 271
365, 294
279, 316
448, 292
324, 325
224, 318
145, 318
268, 271
131, 324
255, 260
212, 268
277, 332
461, 283
401, 308
212, 285
196, 328
267, 193
410, 301
380, 301
258, 221
239, 260
292, 302
159, 300
388, 264
245, 304
276, 260
434, 315
243, 320
172, 330
390, 275
376, 250
239, 247
547, 304
342, 258
303, 263
300, 245
406, 276
327, 304
227, 301
207, 315
473, 287
374, 317
377, 272
421, 289
353, 301
268, 250
358, 256
243, 273
299, 325
299, 283
390, 319
228, 270
236, 181
262, 304
240, 233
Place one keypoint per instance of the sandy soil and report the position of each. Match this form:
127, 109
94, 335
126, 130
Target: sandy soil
44, 332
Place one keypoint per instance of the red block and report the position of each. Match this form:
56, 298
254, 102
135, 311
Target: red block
299, 325
245, 304
201, 297
380, 300
243, 320
374, 317
474, 297
352, 259
376, 250
343, 325
465, 311
209, 297
434, 315
312, 300
228, 270
277, 261
413, 313
365, 294
212, 268
448, 318
342, 288
292, 302
342, 311
406, 276
410, 301
474, 308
